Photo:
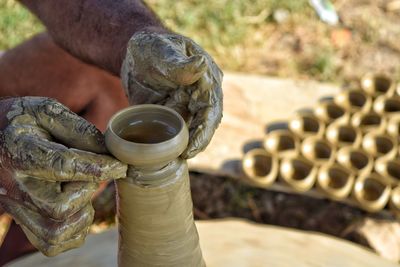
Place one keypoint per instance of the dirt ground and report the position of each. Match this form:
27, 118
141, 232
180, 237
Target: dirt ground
219, 197
367, 39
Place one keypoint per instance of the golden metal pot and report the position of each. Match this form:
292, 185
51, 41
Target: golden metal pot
389, 169
281, 143
378, 84
368, 121
393, 126
335, 181
260, 167
306, 124
394, 202
387, 106
371, 192
340, 135
380, 145
354, 100
317, 150
298, 172
356, 160
328, 111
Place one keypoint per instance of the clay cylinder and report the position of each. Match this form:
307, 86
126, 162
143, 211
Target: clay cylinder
389, 169
328, 111
260, 167
371, 192
387, 106
354, 100
340, 135
317, 150
377, 84
394, 202
335, 181
380, 145
298, 172
281, 143
368, 121
155, 219
355, 159
305, 124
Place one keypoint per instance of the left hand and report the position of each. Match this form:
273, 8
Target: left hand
172, 70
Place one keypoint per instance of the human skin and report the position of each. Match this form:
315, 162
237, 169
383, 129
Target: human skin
179, 73
51, 165
39, 67
97, 32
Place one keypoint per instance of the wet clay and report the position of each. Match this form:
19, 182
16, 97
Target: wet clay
155, 217
156, 225
49, 175
148, 132
172, 70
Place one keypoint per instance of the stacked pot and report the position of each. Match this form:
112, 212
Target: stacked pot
346, 147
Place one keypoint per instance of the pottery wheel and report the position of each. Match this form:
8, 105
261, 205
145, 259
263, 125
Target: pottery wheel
231, 243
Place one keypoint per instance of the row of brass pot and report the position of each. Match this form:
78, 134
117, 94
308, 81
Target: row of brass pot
347, 146
352, 174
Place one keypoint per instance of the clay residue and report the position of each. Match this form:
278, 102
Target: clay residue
51, 172
172, 70
156, 225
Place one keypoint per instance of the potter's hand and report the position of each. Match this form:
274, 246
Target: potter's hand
172, 70
47, 176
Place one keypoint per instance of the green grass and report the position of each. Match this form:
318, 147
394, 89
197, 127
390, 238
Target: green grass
16, 24
222, 27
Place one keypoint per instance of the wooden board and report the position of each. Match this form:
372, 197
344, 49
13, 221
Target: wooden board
250, 103
232, 243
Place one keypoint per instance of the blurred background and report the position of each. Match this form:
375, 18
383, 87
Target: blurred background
283, 38
272, 37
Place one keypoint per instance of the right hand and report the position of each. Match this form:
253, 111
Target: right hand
49, 171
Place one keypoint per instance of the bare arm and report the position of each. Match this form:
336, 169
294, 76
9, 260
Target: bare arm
96, 31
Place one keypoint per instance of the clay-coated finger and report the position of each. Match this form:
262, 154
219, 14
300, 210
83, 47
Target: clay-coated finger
207, 114
59, 200
64, 125
51, 250
187, 70
53, 232
50, 161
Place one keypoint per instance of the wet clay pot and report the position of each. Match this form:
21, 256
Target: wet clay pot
354, 100
155, 219
328, 111
389, 169
317, 150
335, 181
305, 124
371, 192
298, 172
368, 121
260, 167
380, 145
340, 135
378, 84
282, 143
356, 160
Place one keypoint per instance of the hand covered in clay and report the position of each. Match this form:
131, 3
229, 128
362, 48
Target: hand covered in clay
50, 170
174, 71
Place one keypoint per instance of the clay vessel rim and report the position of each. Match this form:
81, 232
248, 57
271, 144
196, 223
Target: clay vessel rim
146, 107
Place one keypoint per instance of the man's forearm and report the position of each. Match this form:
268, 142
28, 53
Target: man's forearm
96, 31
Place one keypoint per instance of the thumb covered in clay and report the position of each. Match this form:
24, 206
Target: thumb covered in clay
172, 70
